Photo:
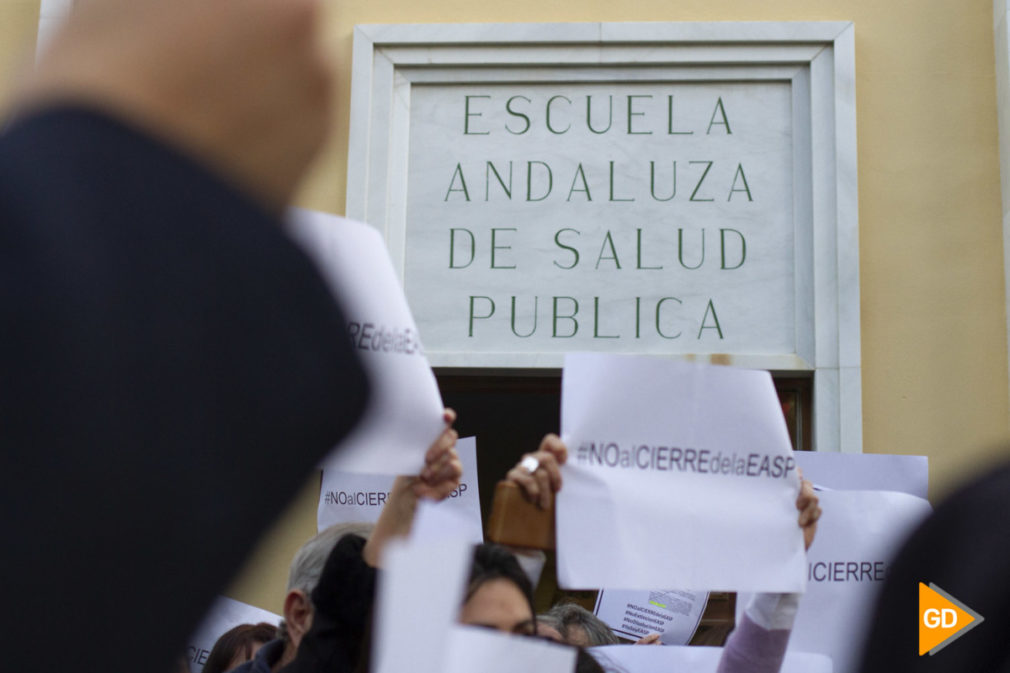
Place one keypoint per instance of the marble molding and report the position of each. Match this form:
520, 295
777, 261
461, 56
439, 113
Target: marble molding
1001, 43
52, 13
795, 79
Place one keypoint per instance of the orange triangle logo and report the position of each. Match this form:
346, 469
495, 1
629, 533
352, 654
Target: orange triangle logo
942, 619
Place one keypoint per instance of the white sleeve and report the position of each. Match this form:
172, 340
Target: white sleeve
532, 561
773, 611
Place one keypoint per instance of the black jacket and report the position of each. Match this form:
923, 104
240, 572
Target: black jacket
171, 368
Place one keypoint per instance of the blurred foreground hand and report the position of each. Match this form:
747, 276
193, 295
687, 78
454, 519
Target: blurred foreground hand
241, 85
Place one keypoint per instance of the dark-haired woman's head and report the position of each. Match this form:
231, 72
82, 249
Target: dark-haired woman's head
499, 595
238, 645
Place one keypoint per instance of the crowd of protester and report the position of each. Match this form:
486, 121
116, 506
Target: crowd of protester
329, 604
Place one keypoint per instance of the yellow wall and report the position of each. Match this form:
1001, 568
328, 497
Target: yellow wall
19, 20
933, 318
931, 247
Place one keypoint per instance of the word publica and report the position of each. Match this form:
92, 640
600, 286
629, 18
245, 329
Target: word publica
381, 339
564, 317
673, 458
847, 571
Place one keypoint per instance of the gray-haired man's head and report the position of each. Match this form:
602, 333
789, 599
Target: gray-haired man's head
303, 576
307, 563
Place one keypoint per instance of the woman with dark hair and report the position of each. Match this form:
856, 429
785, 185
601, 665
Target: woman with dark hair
499, 595
238, 645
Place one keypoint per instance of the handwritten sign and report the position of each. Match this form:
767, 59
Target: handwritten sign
602, 216
224, 615
350, 497
405, 410
679, 475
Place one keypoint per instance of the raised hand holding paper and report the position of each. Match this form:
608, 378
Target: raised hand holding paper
405, 412
858, 535
678, 475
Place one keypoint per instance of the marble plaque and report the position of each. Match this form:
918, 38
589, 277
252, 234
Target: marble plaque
647, 217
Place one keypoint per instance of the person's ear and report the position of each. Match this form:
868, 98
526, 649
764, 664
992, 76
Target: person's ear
297, 615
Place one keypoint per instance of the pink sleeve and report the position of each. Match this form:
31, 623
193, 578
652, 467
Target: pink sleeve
753, 649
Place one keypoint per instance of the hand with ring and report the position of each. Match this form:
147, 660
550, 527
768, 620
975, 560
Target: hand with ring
538, 474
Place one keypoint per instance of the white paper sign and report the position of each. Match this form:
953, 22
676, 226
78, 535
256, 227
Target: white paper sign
678, 475
420, 593
476, 649
672, 613
350, 497
224, 615
866, 471
418, 598
405, 411
439, 522
645, 659
857, 535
